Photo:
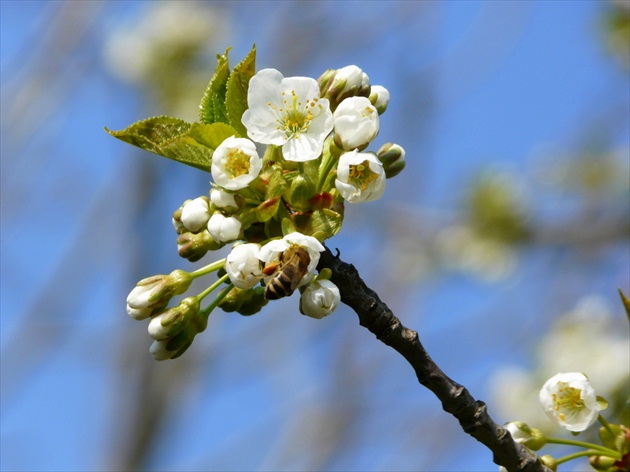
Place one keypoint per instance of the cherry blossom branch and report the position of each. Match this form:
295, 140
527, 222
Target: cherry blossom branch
456, 400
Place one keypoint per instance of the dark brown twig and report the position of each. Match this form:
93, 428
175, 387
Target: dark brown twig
456, 400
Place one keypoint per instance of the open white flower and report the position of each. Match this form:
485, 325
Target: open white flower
243, 265
235, 163
360, 177
570, 400
195, 214
271, 252
224, 229
287, 112
356, 123
319, 299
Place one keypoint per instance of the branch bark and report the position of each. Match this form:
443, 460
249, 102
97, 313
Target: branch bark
455, 398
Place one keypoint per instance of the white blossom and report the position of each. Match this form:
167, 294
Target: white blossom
235, 163
287, 112
272, 251
223, 228
360, 177
195, 214
352, 77
319, 299
222, 199
243, 265
570, 400
158, 350
379, 97
356, 123
156, 330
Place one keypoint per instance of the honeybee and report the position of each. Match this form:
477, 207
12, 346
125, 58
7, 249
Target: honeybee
289, 270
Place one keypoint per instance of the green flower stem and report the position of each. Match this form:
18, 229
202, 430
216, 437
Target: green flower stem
206, 311
212, 287
328, 162
207, 269
606, 425
601, 450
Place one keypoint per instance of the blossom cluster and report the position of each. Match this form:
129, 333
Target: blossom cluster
569, 400
276, 207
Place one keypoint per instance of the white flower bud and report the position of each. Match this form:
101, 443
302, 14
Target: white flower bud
195, 214
360, 177
350, 78
222, 199
235, 163
356, 123
224, 229
319, 299
156, 330
159, 352
243, 265
379, 97
570, 401
155, 292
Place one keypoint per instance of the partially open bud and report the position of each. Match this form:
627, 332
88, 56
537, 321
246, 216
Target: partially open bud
337, 85
154, 293
319, 299
243, 266
224, 200
356, 123
532, 438
379, 96
393, 158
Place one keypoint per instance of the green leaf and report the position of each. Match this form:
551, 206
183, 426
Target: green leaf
321, 224
212, 106
149, 134
192, 145
237, 86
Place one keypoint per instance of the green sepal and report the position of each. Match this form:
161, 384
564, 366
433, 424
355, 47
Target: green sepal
212, 107
287, 226
237, 86
602, 403
321, 224
614, 437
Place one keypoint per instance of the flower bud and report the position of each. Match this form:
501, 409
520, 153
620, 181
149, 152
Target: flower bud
253, 302
532, 438
604, 463
224, 200
194, 246
356, 123
159, 352
379, 97
550, 462
154, 293
171, 321
302, 190
392, 156
195, 214
319, 299
177, 219
349, 81
224, 229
